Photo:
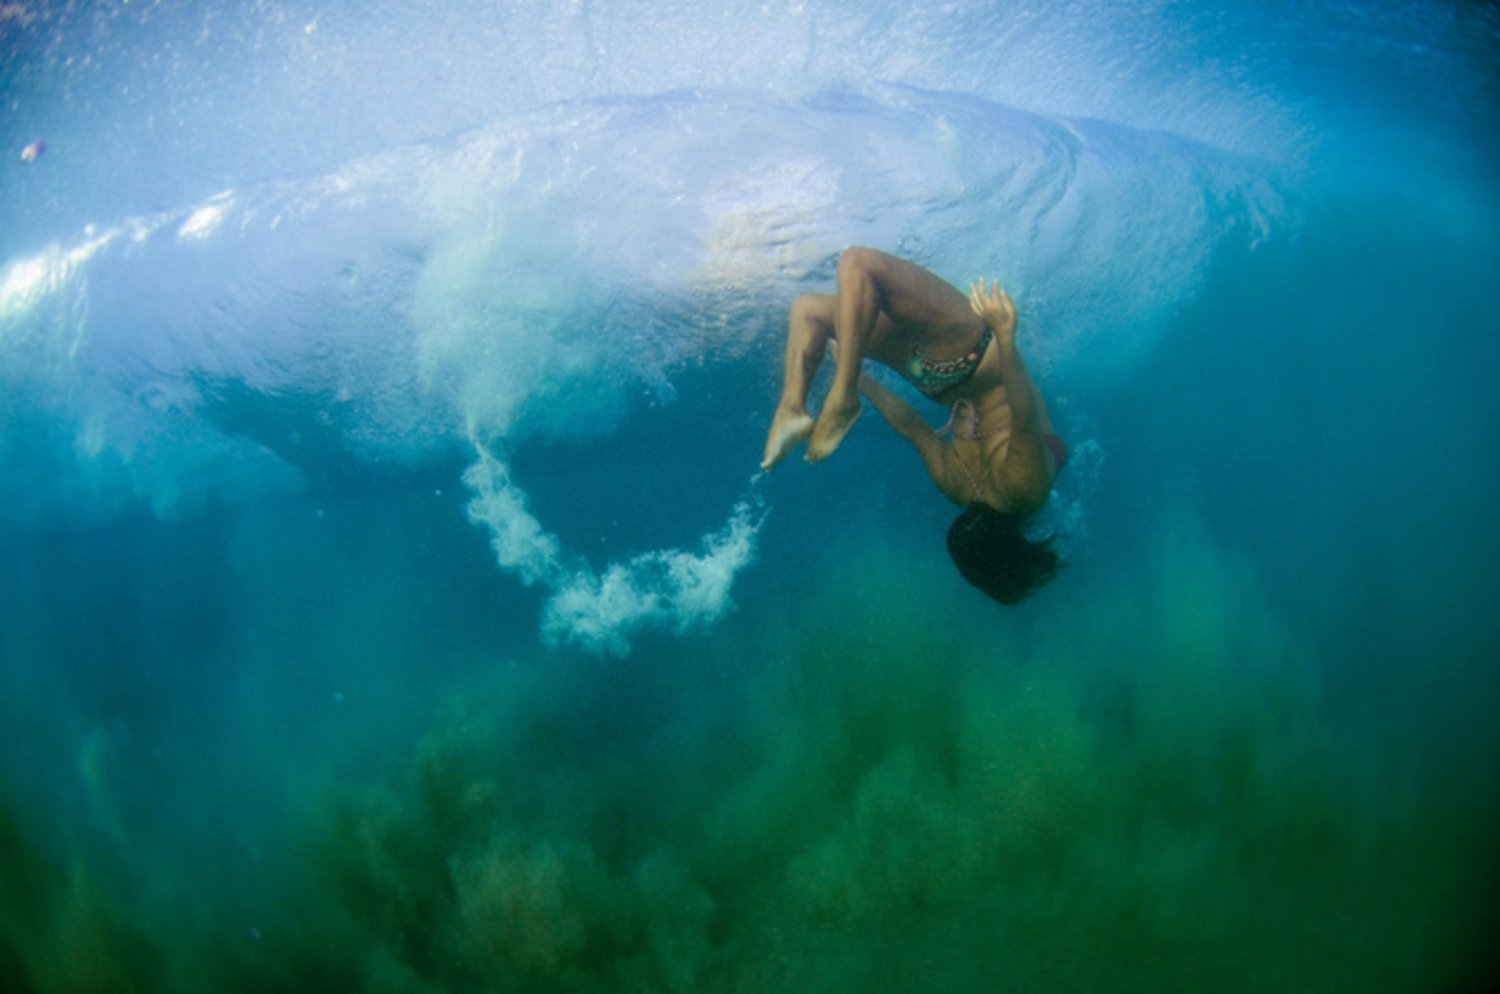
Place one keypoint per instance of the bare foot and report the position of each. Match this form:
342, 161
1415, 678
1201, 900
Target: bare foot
789, 429
834, 422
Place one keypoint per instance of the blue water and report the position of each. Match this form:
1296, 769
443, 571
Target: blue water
388, 599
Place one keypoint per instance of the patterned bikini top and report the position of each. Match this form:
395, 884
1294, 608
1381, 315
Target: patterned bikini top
935, 377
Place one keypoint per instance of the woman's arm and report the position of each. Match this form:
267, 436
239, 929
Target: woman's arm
1023, 476
897, 412
994, 306
936, 455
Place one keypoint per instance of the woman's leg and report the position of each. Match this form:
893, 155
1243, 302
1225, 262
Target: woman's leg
809, 327
918, 308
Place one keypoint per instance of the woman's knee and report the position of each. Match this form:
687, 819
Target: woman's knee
812, 307
858, 261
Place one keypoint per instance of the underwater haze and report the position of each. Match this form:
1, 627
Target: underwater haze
389, 600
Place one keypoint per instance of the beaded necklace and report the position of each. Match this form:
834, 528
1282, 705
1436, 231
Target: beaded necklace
971, 421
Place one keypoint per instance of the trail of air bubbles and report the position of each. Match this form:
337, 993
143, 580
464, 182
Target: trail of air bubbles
666, 589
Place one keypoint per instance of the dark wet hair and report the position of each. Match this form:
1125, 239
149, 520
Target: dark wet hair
991, 552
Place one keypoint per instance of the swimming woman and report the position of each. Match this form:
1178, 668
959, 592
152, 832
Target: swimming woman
998, 454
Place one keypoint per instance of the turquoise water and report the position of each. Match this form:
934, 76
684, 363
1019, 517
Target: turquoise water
388, 600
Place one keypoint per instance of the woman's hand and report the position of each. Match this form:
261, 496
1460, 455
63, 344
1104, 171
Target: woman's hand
995, 307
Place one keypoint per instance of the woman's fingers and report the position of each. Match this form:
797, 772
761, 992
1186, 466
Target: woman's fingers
983, 298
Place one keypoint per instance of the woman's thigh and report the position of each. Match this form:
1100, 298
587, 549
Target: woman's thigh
917, 309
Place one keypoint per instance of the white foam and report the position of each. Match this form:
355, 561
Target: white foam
667, 589
521, 545
204, 221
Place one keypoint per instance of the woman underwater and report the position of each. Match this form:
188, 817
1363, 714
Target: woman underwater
1002, 456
